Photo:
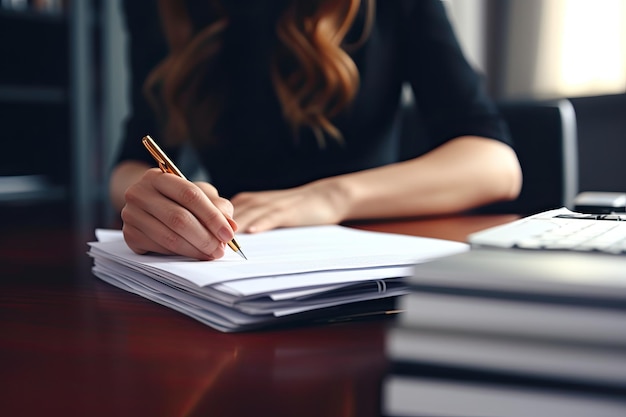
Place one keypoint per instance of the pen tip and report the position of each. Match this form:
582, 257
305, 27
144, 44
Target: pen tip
235, 247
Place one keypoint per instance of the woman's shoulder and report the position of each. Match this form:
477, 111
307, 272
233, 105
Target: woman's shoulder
412, 17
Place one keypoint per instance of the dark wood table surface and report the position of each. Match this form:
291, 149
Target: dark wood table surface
72, 345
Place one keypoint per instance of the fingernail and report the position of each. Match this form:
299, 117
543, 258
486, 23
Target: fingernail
225, 234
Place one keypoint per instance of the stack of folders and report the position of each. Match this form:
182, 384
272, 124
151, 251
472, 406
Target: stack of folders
493, 332
306, 273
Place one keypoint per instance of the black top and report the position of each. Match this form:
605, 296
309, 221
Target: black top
411, 42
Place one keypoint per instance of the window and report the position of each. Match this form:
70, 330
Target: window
582, 48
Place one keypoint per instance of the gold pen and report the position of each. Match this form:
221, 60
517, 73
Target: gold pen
167, 165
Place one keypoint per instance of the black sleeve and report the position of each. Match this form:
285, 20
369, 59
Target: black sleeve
449, 92
146, 48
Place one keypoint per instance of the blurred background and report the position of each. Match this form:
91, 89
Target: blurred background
63, 99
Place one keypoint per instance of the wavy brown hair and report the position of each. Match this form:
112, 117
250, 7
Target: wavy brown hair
313, 75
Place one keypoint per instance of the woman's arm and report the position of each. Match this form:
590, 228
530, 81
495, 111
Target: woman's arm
463, 173
125, 174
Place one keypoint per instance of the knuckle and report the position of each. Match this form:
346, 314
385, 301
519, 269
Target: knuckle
172, 241
210, 217
178, 219
132, 240
130, 195
129, 235
190, 195
224, 205
125, 215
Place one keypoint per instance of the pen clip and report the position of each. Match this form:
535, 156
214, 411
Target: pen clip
165, 164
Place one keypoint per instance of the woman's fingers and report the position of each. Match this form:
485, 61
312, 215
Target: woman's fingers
141, 243
168, 214
223, 205
302, 206
146, 232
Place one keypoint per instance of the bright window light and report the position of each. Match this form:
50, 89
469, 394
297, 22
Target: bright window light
583, 48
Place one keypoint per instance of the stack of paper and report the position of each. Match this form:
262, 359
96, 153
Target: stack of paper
546, 327
290, 274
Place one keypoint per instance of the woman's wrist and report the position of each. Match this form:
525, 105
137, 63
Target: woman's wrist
124, 175
340, 193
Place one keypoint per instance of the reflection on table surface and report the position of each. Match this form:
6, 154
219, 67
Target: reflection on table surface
72, 345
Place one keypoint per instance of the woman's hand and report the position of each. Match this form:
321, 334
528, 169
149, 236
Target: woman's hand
166, 214
320, 202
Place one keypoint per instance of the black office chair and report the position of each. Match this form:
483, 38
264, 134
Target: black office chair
601, 141
545, 139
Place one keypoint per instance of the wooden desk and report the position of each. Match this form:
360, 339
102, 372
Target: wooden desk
71, 345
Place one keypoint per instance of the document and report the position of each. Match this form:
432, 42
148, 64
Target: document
289, 271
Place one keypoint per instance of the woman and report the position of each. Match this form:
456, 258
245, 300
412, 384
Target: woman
291, 107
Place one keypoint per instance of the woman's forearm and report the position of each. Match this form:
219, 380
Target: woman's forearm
124, 175
463, 173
